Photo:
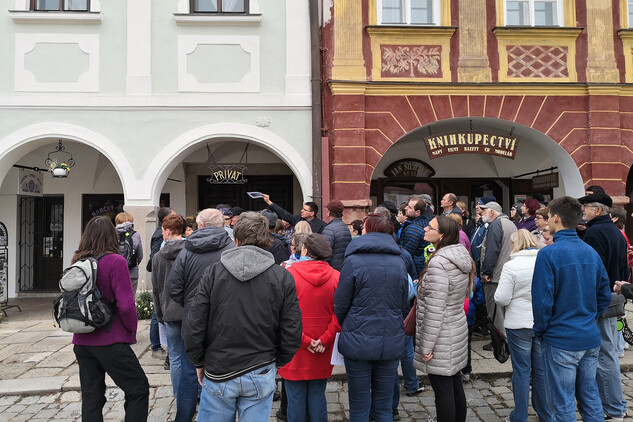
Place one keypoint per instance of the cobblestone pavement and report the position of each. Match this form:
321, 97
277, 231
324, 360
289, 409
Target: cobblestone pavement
488, 400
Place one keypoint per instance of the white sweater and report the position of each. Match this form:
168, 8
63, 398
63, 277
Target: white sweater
515, 289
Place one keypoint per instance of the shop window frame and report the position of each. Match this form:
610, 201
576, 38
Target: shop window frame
193, 3
61, 8
437, 14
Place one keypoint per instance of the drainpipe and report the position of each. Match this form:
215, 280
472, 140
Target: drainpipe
317, 123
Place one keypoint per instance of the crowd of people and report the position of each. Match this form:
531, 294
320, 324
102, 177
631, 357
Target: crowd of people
247, 296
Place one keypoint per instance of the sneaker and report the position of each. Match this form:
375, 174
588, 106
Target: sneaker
276, 396
166, 366
396, 416
626, 345
614, 418
466, 377
507, 419
416, 392
620, 355
488, 347
159, 353
281, 416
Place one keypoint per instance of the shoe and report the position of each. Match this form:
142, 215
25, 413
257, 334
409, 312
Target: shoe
396, 416
466, 377
488, 347
276, 396
166, 366
620, 355
416, 392
615, 418
507, 419
626, 345
159, 353
281, 416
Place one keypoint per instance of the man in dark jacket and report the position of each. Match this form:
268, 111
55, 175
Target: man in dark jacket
308, 213
412, 235
337, 233
449, 204
202, 249
167, 311
279, 247
606, 239
244, 323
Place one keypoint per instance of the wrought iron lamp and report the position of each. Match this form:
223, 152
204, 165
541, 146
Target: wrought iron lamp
60, 161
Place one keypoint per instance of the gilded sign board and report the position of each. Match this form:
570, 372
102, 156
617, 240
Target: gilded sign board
471, 143
409, 167
545, 181
227, 174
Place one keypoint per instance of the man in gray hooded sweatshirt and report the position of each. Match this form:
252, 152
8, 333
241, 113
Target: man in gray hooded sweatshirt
244, 323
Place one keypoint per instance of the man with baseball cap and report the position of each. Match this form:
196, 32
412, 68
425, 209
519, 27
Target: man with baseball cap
605, 238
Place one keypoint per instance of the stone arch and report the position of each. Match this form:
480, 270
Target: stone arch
179, 148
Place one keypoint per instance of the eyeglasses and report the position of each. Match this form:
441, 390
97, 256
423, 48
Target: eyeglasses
431, 228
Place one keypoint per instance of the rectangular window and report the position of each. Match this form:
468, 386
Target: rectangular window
61, 5
219, 6
421, 12
629, 5
533, 12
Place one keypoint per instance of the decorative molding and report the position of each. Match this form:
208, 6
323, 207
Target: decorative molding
473, 64
217, 20
25, 80
406, 44
19, 16
250, 82
535, 61
601, 65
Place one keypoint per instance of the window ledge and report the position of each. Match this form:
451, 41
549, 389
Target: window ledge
217, 19
410, 29
529, 32
626, 33
20, 16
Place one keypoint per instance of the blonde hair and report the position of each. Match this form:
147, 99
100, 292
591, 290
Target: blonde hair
303, 227
123, 217
522, 239
457, 218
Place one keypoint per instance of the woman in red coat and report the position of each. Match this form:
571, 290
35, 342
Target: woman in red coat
306, 375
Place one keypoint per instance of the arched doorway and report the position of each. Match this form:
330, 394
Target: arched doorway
473, 169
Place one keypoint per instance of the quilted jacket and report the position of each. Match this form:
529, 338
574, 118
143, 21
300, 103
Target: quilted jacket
441, 325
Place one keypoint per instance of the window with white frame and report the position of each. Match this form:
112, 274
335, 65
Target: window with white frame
219, 6
533, 12
629, 6
421, 12
61, 5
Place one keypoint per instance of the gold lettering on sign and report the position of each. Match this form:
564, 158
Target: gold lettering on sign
471, 143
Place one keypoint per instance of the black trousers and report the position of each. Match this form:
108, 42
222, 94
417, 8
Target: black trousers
119, 361
450, 400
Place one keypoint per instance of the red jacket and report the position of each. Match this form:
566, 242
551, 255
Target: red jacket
316, 282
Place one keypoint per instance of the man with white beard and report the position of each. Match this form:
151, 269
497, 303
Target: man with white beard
495, 252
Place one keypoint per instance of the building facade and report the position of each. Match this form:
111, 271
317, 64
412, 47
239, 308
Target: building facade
476, 97
159, 103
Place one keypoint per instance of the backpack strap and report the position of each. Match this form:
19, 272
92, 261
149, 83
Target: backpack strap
112, 303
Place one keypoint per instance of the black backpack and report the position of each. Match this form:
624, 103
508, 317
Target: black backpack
126, 248
81, 308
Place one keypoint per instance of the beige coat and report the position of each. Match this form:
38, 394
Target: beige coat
441, 325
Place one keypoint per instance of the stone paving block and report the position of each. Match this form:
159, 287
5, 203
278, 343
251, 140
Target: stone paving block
164, 391
70, 396
13, 370
33, 408
31, 385
21, 337
41, 372
72, 383
50, 344
46, 414
58, 360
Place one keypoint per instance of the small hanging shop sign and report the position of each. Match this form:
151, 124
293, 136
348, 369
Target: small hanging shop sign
227, 174
30, 183
409, 167
545, 181
471, 143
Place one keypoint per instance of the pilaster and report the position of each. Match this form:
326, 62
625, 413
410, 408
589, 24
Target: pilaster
348, 63
145, 223
473, 65
601, 65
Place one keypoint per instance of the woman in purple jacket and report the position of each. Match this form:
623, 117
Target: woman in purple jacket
108, 350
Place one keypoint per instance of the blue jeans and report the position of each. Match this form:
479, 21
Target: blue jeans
251, 395
188, 389
370, 385
176, 349
306, 400
154, 336
525, 351
569, 373
409, 376
608, 376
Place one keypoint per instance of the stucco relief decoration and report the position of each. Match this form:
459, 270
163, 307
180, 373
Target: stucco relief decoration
537, 61
412, 61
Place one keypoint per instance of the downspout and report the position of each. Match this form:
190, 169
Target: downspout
317, 119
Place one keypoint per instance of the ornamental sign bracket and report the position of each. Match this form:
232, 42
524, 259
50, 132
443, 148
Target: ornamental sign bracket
227, 174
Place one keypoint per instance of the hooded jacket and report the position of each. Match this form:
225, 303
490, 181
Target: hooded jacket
515, 289
371, 300
136, 241
441, 325
278, 248
245, 315
166, 309
203, 248
316, 283
338, 235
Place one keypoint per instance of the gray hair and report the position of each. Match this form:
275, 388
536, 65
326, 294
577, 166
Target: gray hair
383, 211
605, 209
210, 217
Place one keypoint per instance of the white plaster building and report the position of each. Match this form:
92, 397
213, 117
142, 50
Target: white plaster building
145, 95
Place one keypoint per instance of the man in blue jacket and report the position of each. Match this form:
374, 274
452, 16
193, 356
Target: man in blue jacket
570, 289
412, 235
607, 240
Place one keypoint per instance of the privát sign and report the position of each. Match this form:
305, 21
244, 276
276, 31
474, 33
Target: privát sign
471, 143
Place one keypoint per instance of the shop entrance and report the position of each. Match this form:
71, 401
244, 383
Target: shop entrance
278, 187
